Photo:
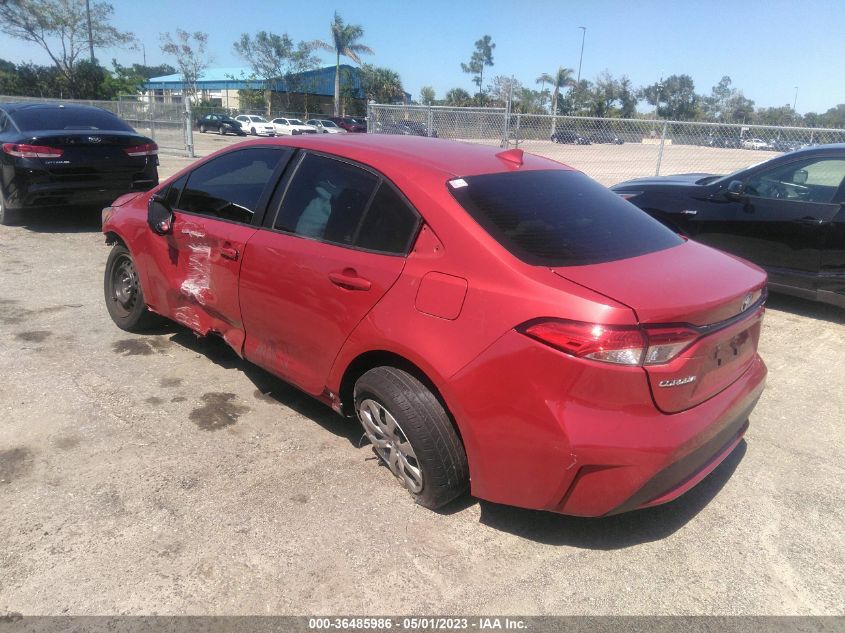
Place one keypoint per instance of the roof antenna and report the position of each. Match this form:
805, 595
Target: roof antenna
512, 156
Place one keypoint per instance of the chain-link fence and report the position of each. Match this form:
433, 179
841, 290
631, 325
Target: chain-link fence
609, 150
165, 123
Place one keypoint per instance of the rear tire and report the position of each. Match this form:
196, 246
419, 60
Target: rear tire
123, 293
202, 129
413, 435
8, 217
221, 130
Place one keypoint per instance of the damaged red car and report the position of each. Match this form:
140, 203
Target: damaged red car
496, 321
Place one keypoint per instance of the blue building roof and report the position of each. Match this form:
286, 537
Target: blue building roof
316, 82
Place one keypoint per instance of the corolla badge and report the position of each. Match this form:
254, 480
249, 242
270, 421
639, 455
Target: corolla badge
749, 298
677, 382
95, 139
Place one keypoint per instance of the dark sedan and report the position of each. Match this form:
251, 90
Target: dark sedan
58, 154
785, 214
405, 128
221, 124
567, 136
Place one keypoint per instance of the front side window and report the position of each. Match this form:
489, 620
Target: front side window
814, 180
559, 218
230, 186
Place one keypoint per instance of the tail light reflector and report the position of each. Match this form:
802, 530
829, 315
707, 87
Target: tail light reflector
23, 150
618, 344
147, 149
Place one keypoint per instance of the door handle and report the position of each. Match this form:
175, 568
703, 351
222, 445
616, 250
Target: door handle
229, 253
350, 280
810, 221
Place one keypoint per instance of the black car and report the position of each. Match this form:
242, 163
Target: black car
785, 215
730, 142
567, 136
605, 136
58, 154
406, 128
219, 123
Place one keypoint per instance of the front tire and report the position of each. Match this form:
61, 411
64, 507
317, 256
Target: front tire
221, 130
254, 133
202, 129
123, 293
412, 434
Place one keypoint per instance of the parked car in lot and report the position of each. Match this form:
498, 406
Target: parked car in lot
495, 320
785, 145
325, 126
220, 123
404, 128
605, 136
569, 137
292, 127
256, 125
731, 142
349, 123
784, 214
755, 143
65, 155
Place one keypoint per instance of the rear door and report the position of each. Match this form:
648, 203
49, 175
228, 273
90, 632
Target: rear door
214, 210
336, 245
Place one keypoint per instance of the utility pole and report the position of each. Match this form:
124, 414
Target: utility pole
795, 100
90, 33
144, 51
581, 59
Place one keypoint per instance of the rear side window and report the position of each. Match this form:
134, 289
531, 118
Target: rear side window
390, 223
67, 118
326, 200
230, 186
559, 218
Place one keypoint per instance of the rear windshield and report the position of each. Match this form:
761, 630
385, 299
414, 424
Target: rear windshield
57, 118
559, 218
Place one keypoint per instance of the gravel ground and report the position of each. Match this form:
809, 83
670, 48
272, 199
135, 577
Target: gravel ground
162, 474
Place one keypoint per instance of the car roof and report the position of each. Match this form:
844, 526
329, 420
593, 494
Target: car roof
389, 153
10, 108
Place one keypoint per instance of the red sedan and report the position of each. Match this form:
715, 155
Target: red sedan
497, 322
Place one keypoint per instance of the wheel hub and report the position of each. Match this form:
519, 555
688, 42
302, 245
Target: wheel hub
391, 444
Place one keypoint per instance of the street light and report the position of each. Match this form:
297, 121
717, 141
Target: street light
794, 101
581, 58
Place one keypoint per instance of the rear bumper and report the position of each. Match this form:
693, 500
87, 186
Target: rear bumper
546, 431
28, 189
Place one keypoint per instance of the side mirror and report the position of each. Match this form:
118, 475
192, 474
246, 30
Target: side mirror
735, 190
159, 216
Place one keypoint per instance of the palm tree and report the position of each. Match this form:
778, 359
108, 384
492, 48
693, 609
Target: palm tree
544, 79
561, 79
344, 42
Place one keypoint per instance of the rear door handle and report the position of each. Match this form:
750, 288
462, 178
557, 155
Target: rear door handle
229, 253
350, 280
810, 221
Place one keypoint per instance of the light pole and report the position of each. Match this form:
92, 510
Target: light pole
581, 58
795, 100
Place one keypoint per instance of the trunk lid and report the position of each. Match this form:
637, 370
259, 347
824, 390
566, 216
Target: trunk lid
717, 295
91, 155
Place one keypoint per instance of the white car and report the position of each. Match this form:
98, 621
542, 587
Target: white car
325, 126
292, 127
256, 125
755, 143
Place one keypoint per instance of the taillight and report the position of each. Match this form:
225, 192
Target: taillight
23, 150
619, 344
147, 149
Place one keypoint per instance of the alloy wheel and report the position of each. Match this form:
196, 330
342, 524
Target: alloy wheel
391, 444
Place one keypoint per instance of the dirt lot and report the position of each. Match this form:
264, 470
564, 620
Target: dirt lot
161, 474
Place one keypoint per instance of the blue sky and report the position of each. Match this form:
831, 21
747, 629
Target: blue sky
767, 47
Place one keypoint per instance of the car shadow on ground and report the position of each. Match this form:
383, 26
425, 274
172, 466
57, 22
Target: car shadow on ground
806, 308
268, 388
608, 533
62, 220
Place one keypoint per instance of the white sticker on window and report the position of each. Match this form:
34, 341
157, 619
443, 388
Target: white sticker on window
457, 183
